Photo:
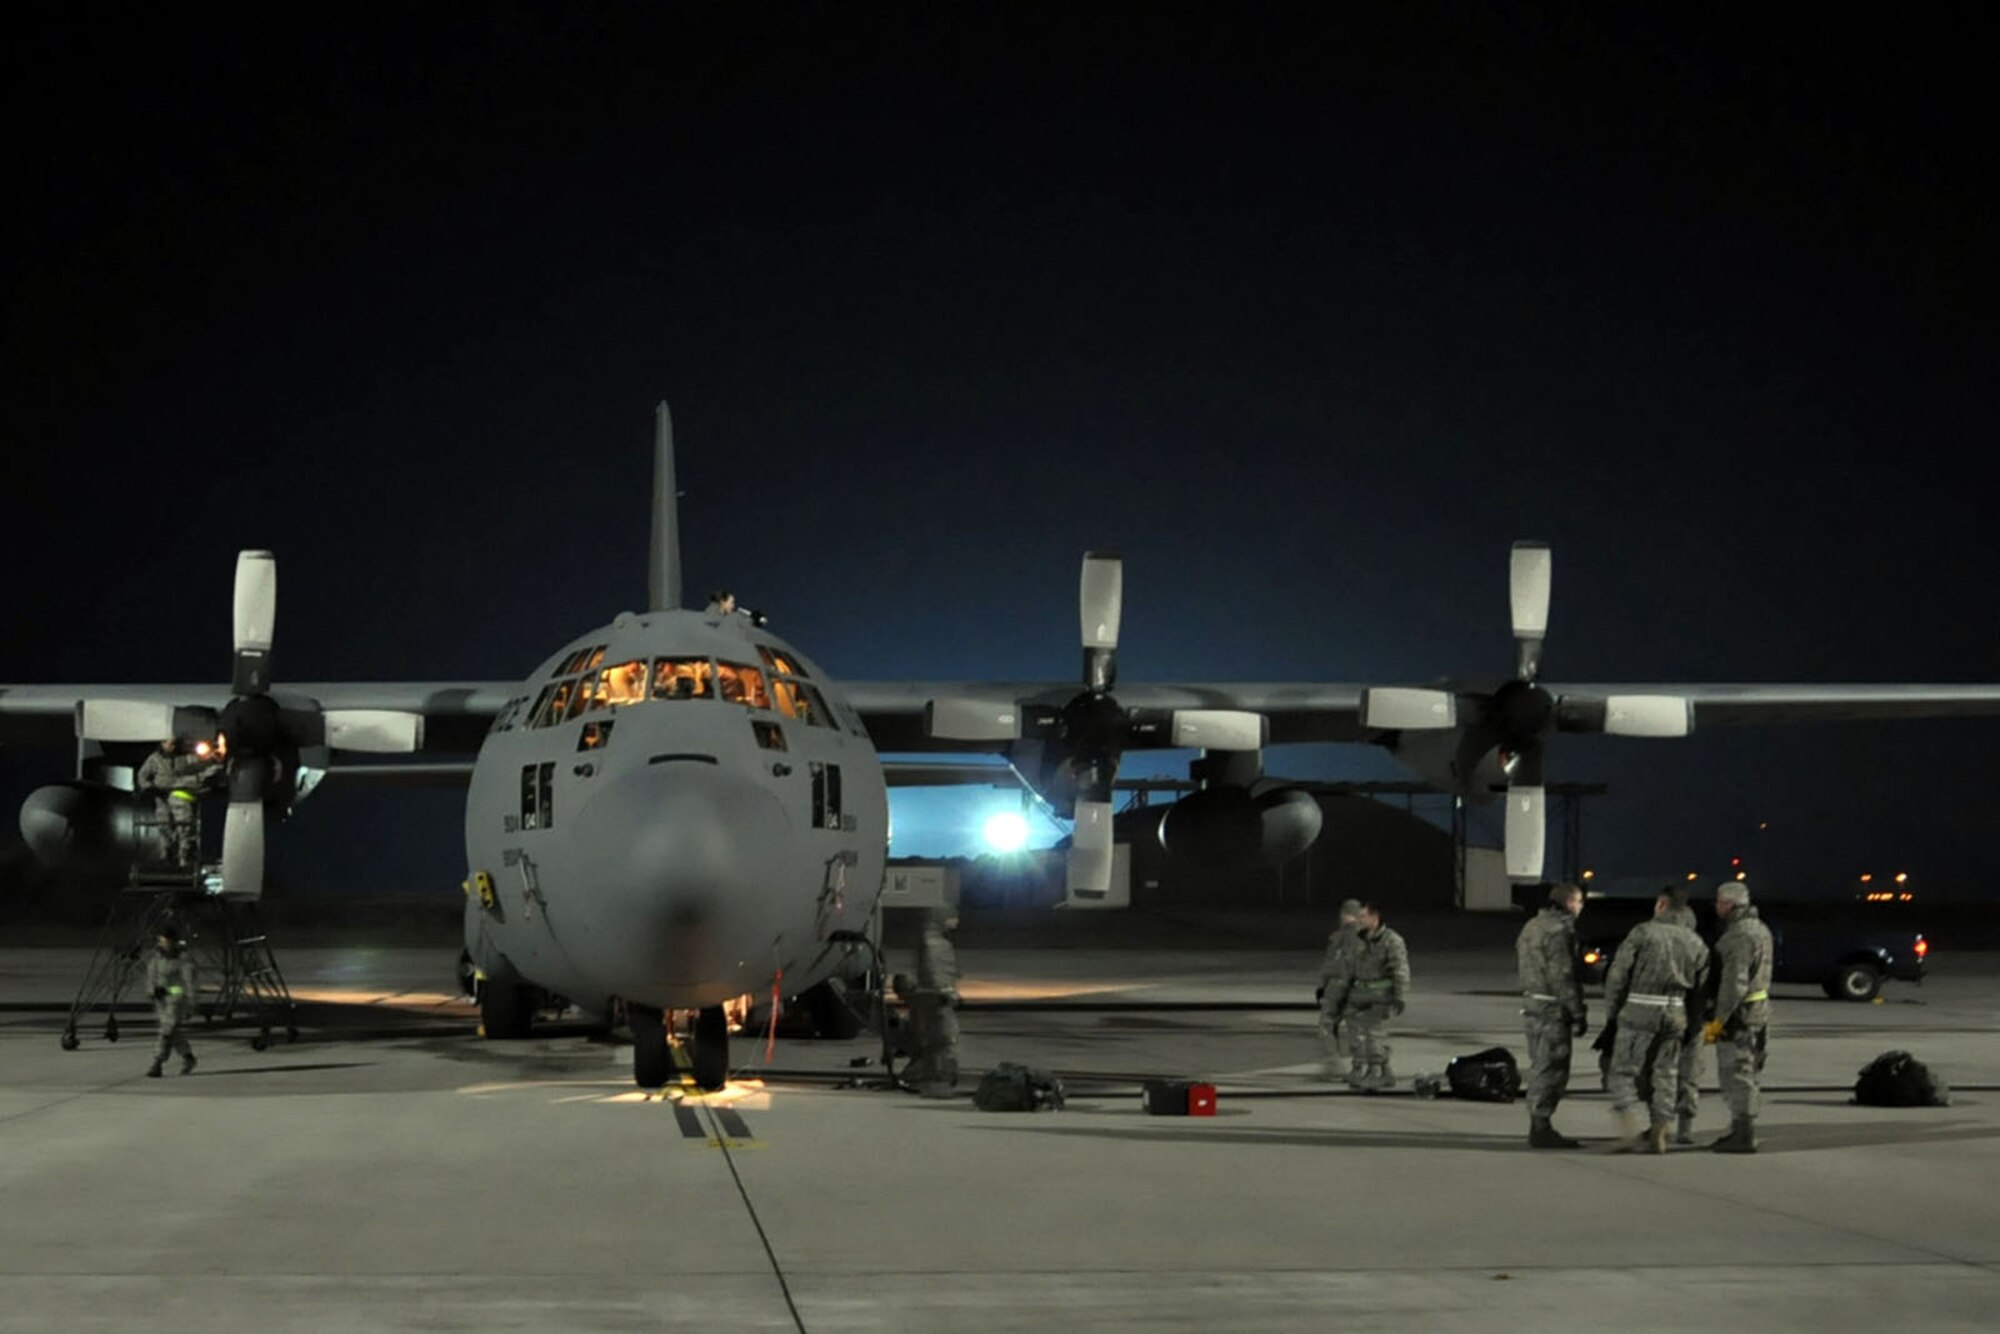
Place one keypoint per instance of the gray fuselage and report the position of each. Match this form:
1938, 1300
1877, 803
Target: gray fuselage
675, 810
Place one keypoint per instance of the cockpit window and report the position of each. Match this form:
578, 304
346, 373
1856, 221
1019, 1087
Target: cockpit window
743, 684
569, 666
798, 700
781, 664
551, 713
588, 697
594, 660
623, 683
683, 678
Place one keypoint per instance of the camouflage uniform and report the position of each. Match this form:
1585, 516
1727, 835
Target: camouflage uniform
174, 781
1658, 965
1551, 1003
1687, 1098
933, 1013
1332, 1024
1368, 987
170, 982
1743, 1008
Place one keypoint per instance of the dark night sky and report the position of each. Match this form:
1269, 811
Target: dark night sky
1309, 311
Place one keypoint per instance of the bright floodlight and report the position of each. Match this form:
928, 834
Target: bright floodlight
1006, 832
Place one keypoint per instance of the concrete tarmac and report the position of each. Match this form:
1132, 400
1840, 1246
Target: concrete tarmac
391, 1170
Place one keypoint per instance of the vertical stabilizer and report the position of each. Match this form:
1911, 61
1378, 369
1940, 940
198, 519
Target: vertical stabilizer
665, 592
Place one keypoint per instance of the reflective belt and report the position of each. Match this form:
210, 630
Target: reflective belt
1756, 996
173, 991
1536, 995
1636, 999
181, 794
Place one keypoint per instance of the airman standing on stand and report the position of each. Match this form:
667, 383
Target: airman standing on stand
1552, 1005
175, 779
1332, 1027
1742, 1018
1659, 965
1368, 987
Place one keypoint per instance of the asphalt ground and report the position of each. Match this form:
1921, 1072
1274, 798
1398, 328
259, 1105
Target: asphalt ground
391, 1170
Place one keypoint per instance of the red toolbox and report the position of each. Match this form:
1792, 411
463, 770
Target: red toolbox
1178, 1097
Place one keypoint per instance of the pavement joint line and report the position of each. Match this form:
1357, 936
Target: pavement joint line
777, 1270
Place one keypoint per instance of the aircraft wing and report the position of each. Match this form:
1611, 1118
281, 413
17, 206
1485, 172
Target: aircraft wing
1313, 711
456, 714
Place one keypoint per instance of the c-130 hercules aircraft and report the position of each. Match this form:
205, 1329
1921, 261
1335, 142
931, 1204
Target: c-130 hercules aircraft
679, 808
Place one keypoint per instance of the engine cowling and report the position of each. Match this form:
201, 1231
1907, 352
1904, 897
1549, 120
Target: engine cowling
1224, 826
82, 826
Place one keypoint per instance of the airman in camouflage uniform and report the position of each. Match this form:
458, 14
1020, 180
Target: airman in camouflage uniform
1552, 1005
175, 778
1742, 1017
170, 982
1646, 994
933, 1009
1687, 1097
1332, 1025
1367, 988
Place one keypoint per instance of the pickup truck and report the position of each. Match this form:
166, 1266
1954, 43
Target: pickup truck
1847, 950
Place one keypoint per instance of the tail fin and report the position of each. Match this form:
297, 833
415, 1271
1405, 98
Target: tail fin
665, 591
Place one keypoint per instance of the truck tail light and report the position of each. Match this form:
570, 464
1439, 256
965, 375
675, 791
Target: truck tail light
1923, 947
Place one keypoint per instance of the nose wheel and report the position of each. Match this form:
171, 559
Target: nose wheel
652, 1065
711, 1048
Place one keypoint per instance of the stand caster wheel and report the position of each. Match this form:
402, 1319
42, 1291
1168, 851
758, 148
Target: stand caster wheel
261, 1041
111, 1030
69, 1039
291, 1035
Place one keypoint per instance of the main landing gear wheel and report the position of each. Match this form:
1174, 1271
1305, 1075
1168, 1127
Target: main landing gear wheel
711, 1049
506, 1009
652, 1063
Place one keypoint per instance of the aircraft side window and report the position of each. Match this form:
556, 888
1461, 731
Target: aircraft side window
595, 735
743, 684
531, 804
552, 713
546, 781
815, 710
784, 697
769, 735
826, 796
683, 678
624, 683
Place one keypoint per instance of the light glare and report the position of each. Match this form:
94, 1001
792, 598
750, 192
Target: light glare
1006, 831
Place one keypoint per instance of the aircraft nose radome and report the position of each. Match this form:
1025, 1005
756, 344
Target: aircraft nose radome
688, 855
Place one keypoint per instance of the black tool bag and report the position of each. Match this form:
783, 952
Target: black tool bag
1008, 1087
1484, 1076
1898, 1079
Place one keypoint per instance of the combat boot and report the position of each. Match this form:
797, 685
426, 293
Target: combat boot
1685, 1133
153, 1070
1542, 1135
1656, 1139
187, 1064
1742, 1136
1631, 1128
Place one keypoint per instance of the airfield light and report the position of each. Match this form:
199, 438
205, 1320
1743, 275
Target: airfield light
1735, 861
1588, 875
1006, 832
1694, 875
1866, 878
1739, 875
1906, 897
1902, 877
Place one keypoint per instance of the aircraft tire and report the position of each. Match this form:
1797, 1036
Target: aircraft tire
652, 1063
711, 1049
506, 1009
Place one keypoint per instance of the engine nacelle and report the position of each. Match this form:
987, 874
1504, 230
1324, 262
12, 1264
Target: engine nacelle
83, 826
1223, 826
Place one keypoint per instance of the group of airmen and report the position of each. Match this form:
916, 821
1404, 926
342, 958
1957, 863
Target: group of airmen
1667, 996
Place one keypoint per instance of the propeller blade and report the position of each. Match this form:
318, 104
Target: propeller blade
1528, 572
124, 720
1100, 602
1087, 874
1648, 715
972, 719
1219, 729
1401, 709
256, 619
1527, 832
375, 731
243, 850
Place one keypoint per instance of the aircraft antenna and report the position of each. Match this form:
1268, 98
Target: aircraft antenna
665, 566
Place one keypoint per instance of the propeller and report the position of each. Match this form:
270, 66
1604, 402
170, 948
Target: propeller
1091, 730
263, 735
1517, 718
